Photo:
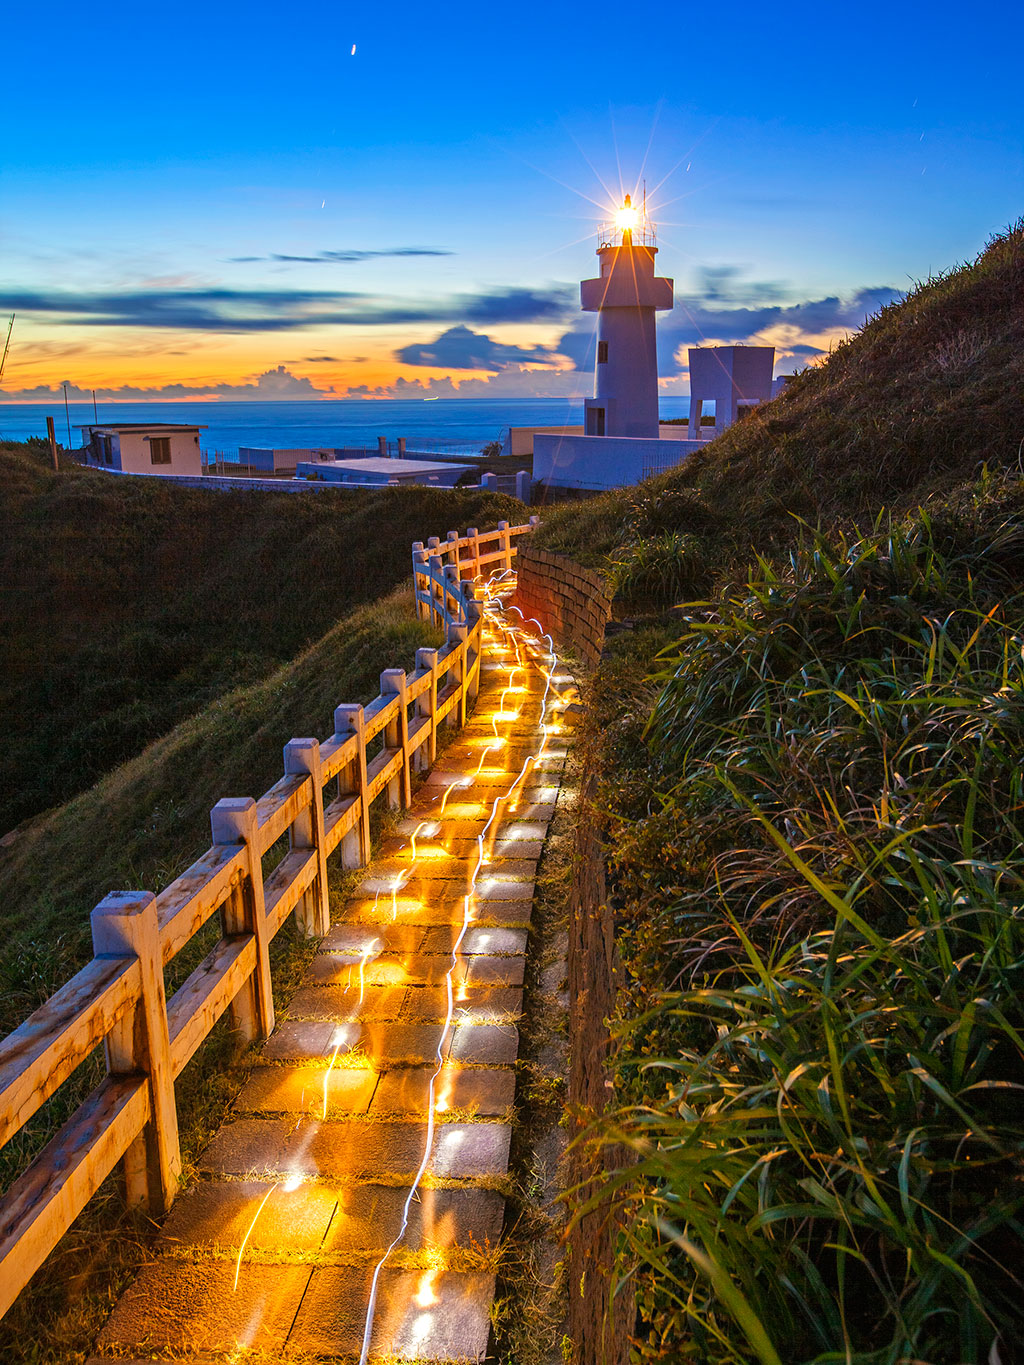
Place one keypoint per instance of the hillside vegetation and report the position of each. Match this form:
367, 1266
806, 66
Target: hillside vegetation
809, 745
909, 407
129, 604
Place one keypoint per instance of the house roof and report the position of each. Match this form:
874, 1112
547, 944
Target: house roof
142, 426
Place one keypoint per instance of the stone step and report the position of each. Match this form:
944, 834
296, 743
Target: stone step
401, 1043
177, 1305
356, 1149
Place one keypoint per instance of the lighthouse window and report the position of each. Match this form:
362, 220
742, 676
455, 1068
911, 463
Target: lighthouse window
160, 449
602, 353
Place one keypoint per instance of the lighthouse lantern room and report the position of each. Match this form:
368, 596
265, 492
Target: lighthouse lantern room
625, 297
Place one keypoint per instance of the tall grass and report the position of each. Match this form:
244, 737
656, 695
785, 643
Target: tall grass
821, 1046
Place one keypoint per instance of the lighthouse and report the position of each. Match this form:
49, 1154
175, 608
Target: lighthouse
625, 296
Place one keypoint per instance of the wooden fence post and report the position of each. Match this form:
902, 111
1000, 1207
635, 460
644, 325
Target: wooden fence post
452, 549
233, 820
124, 924
419, 558
505, 541
396, 736
313, 913
474, 614
426, 705
437, 614
457, 635
452, 592
474, 537
350, 720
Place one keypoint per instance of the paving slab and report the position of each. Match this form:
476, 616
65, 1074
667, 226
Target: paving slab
358, 939
338, 1003
300, 1040
307, 1089
445, 1317
418, 969
483, 1044
368, 1217
248, 1147
219, 1213
485, 1004
482, 1092
361, 1149
181, 1305
480, 942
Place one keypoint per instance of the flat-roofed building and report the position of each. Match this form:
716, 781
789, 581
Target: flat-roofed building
143, 447
383, 472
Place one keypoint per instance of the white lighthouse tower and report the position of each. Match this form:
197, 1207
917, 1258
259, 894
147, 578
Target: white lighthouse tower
625, 298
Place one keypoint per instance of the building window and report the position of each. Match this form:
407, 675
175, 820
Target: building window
602, 353
108, 449
595, 421
160, 449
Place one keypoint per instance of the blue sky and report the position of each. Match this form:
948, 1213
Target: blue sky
202, 196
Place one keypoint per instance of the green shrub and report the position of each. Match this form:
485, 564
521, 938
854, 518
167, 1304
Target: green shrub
822, 1033
659, 570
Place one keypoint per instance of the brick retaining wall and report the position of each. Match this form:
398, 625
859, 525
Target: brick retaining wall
571, 602
574, 605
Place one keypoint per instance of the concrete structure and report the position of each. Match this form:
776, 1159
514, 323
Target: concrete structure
143, 447
377, 471
625, 297
732, 378
282, 461
595, 463
519, 440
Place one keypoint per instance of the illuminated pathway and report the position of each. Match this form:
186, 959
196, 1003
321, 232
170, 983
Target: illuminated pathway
304, 1190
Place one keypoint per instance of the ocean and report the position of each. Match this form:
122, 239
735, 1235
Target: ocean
452, 426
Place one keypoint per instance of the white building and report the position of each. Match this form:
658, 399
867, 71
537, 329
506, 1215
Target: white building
623, 441
143, 447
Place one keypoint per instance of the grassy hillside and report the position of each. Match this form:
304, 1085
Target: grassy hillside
129, 604
138, 827
812, 801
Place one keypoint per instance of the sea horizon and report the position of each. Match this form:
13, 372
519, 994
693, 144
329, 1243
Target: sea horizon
453, 426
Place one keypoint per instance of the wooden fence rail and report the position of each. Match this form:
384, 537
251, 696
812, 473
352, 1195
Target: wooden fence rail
322, 802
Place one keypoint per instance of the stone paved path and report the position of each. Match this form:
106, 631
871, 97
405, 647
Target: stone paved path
329, 1132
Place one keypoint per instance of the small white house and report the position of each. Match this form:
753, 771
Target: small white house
144, 447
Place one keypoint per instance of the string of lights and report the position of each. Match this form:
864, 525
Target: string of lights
493, 606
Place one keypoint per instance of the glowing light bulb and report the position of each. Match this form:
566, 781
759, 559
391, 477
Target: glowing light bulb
626, 217
426, 1292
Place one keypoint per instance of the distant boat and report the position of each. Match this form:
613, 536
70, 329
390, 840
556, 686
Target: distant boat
435, 399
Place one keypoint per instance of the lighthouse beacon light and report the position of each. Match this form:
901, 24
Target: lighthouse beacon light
626, 295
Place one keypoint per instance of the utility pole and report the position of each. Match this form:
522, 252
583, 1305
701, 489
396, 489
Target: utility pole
53, 444
95, 414
7, 346
67, 414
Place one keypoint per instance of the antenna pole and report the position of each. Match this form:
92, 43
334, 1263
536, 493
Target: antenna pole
7, 344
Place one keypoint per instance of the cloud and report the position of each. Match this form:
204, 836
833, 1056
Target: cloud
342, 257
461, 348
276, 384
321, 360
800, 329
277, 310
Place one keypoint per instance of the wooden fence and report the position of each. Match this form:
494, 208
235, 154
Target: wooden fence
322, 803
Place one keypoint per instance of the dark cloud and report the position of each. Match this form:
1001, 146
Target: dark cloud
320, 360
696, 321
460, 348
276, 310
342, 257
